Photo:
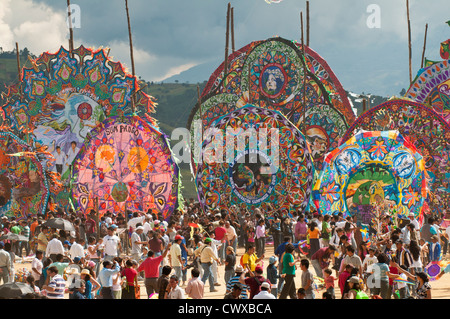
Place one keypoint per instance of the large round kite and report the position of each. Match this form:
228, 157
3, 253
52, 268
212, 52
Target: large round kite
270, 163
64, 96
432, 88
128, 165
371, 173
24, 187
274, 74
426, 130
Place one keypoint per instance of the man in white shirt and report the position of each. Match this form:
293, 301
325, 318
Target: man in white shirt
136, 220
136, 244
77, 249
36, 265
60, 158
175, 256
230, 235
54, 247
71, 154
264, 293
112, 244
173, 290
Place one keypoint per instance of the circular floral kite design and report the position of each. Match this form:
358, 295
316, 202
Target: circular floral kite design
372, 171
128, 165
279, 170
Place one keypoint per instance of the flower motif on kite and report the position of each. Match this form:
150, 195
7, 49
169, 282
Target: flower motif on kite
67, 95
410, 197
128, 165
378, 150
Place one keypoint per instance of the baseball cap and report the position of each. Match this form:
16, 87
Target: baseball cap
265, 285
208, 240
178, 237
354, 280
273, 259
259, 269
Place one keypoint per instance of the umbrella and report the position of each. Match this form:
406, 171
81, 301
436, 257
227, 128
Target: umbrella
59, 223
13, 236
14, 290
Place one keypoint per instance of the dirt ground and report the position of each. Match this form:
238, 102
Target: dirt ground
440, 288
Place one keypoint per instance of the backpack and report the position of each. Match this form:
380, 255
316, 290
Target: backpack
361, 295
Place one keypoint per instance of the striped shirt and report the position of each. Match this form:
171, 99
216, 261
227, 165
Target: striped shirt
59, 284
235, 280
26, 231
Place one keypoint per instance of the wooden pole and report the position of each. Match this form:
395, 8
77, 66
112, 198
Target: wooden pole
304, 78
225, 69
364, 105
409, 41
307, 23
424, 46
131, 51
69, 15
19, 68
232, 30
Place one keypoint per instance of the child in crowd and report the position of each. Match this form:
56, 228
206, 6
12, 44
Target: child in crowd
329, 282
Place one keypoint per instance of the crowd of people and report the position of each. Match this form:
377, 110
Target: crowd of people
179, 258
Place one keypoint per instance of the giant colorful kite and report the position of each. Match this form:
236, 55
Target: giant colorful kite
271, 163
426, 130
64, 96
276, 75
128, 165
372, 171
432, 84
24, 187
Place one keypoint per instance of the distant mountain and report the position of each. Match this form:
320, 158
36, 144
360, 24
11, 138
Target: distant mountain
196, 74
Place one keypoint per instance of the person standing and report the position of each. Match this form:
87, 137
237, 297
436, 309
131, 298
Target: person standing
231, 236
307, 279
207, 257
55, 285
151, 266
136, 243
288, 273
230, 262
129, 292
37, 266
54, 247
60, 158
176, 261
260, 238
195, 288
111, 244
5, 261
105, 278
314, 235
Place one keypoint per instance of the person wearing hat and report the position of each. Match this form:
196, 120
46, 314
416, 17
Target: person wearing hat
91, 285
136, 243
175, 256
105, 278
5, 261
235, 280
207, 256
265, 292
272, 274
355, 291
254, 281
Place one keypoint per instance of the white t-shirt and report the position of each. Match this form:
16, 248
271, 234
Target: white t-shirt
231, 232
175, 251
111, 244
369, 261
264, 295
36, 263
135, 248
76, 250
176, 293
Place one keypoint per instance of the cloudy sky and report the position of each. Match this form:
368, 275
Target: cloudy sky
171, 36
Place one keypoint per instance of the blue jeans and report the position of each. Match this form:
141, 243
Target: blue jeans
228, 275
178, 273
208, 274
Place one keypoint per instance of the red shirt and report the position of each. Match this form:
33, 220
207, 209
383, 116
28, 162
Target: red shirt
394, 271
131, 274
342, 279
90, 226
220, 232
254, 286
150, 266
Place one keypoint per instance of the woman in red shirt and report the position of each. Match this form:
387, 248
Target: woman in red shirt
131, 277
